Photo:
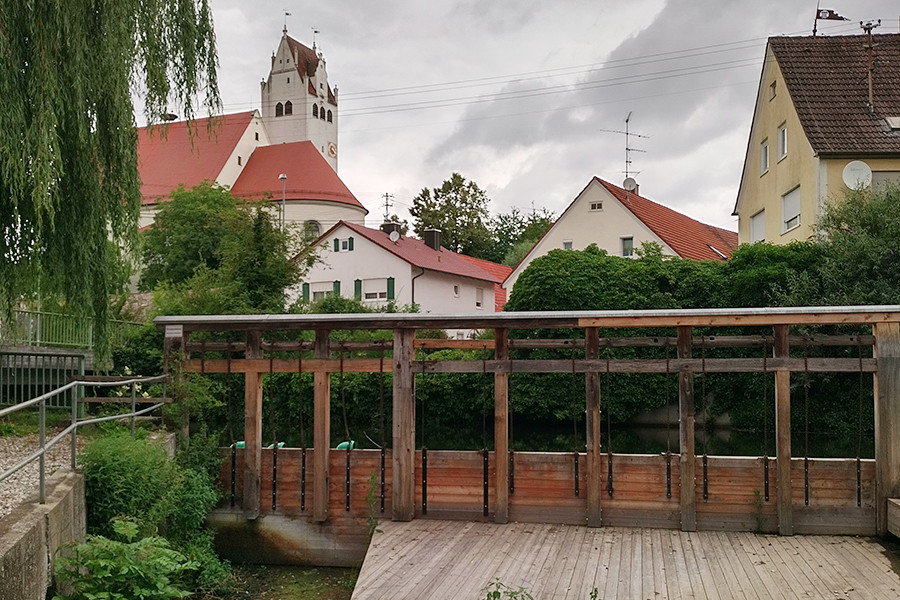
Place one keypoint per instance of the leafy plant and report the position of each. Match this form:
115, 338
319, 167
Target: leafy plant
371, 506
497, 590
123, 569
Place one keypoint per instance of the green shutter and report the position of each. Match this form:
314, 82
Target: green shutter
337, 287
350, 243
306, 292
390, 289
357, 288
337, 245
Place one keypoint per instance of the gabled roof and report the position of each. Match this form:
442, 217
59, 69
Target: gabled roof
827, 78
497, 270
687, 237
307, 60
168, 157
309, 176
417, 253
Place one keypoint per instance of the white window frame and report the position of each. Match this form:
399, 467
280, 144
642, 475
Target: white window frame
790, 218
321, 289
597, 206
374, 290
782, 141
479, 298
757, 227
627, 251
567, 244
456, 290
764, 157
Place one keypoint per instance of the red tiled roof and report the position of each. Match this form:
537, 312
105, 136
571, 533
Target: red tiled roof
167, 160
827, 77
497, 270
309, 176
307, 61
687, 237
419, 254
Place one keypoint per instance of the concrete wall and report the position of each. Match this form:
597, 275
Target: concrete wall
31, 535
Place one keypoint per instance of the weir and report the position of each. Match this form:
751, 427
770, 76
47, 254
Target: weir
313, 505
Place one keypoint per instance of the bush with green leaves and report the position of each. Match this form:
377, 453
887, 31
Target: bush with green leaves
126, 568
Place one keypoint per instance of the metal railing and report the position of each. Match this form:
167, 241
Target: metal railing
25, 375
37, 328
72, 429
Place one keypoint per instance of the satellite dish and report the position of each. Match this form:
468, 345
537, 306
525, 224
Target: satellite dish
629, 184
394, 236
857, 175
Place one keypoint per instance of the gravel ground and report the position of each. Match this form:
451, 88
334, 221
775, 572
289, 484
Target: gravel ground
23, 486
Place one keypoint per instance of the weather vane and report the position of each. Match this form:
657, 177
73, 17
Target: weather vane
286, 15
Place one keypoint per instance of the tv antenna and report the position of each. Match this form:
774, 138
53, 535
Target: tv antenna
630, 184
388, 204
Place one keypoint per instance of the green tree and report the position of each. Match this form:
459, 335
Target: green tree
459, 210
68, 155
515, 233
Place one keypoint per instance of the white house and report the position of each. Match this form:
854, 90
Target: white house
285, 151
377, 266
619, 221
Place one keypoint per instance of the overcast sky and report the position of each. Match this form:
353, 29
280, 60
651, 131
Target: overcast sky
527, 97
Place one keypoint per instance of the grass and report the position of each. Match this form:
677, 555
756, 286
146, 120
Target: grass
291, 583
25, 421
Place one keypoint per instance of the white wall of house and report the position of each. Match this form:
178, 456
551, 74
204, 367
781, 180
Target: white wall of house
254, 136
594, 217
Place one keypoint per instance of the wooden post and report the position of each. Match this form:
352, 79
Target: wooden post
887, 420
501, 429
403, 486
321, 430
688, 460
592, 428
783, 435
252, 430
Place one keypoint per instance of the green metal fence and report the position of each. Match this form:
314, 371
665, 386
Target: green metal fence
25, 375
34, 328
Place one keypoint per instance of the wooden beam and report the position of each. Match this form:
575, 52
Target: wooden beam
782, 349
687, 459
887, 421
404, 428
501, 429
321, 430
252, 431
592, 429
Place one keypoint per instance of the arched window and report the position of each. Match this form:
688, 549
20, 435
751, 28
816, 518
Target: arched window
279, 110
288, 108
329, 116
322, 113
316, 111
312, 230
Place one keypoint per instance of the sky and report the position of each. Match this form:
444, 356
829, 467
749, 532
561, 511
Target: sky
529, 98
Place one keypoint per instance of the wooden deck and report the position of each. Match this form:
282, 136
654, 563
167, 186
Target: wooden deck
451, 559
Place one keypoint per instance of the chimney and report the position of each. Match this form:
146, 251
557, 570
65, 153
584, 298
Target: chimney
432, 238
389, 227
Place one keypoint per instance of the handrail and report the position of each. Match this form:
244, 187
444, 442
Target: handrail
51, 329
72, 429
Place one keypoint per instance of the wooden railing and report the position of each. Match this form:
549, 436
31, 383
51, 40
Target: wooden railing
676, 490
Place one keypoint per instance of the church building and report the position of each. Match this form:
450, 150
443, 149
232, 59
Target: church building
285, 153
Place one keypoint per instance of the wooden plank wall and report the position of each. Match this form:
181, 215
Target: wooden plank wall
544, 490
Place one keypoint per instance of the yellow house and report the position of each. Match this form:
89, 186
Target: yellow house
817, 130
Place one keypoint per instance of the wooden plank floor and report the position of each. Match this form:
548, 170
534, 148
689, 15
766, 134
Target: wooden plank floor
430, 559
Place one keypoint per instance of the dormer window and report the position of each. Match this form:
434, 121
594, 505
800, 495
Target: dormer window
893, 122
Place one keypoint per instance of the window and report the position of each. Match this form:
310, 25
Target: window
567, 244
256, 136
312, 229
329, 116
782, 141
479, 298
321, 289
758, 227
771, 90
239, 161
345, 245
374, 289
322, 113
790, 210
881, 179
456, 291
279, 110
596, 206
764, 157
288, 108
316, 110
627, 246
288, 79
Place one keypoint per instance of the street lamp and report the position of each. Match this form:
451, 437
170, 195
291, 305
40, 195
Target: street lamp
283, 179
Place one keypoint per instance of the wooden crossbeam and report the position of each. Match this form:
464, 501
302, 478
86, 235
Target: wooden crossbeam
125, 400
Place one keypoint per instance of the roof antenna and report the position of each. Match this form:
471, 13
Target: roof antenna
870, 47
286, 15
388, 203
629, 184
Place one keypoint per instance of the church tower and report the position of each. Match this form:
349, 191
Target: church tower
297, 102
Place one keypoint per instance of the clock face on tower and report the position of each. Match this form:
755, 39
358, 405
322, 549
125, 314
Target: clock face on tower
332, 150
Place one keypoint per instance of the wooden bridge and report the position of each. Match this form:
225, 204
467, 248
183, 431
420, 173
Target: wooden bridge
310, 504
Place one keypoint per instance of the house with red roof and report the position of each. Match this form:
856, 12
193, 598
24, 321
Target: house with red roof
619, 221
377, 266
285, 153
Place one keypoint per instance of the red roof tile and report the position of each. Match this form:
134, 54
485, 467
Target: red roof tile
309, 176
167, 162
419, 254
827, 77
687, 237
497, 270
307, 60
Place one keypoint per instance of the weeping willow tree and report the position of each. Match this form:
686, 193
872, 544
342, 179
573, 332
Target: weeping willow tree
68, 142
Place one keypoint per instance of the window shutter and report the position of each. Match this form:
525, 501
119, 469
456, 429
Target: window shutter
357, 288
337, 287
306, 292
337, 245
350, 243
390, 290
